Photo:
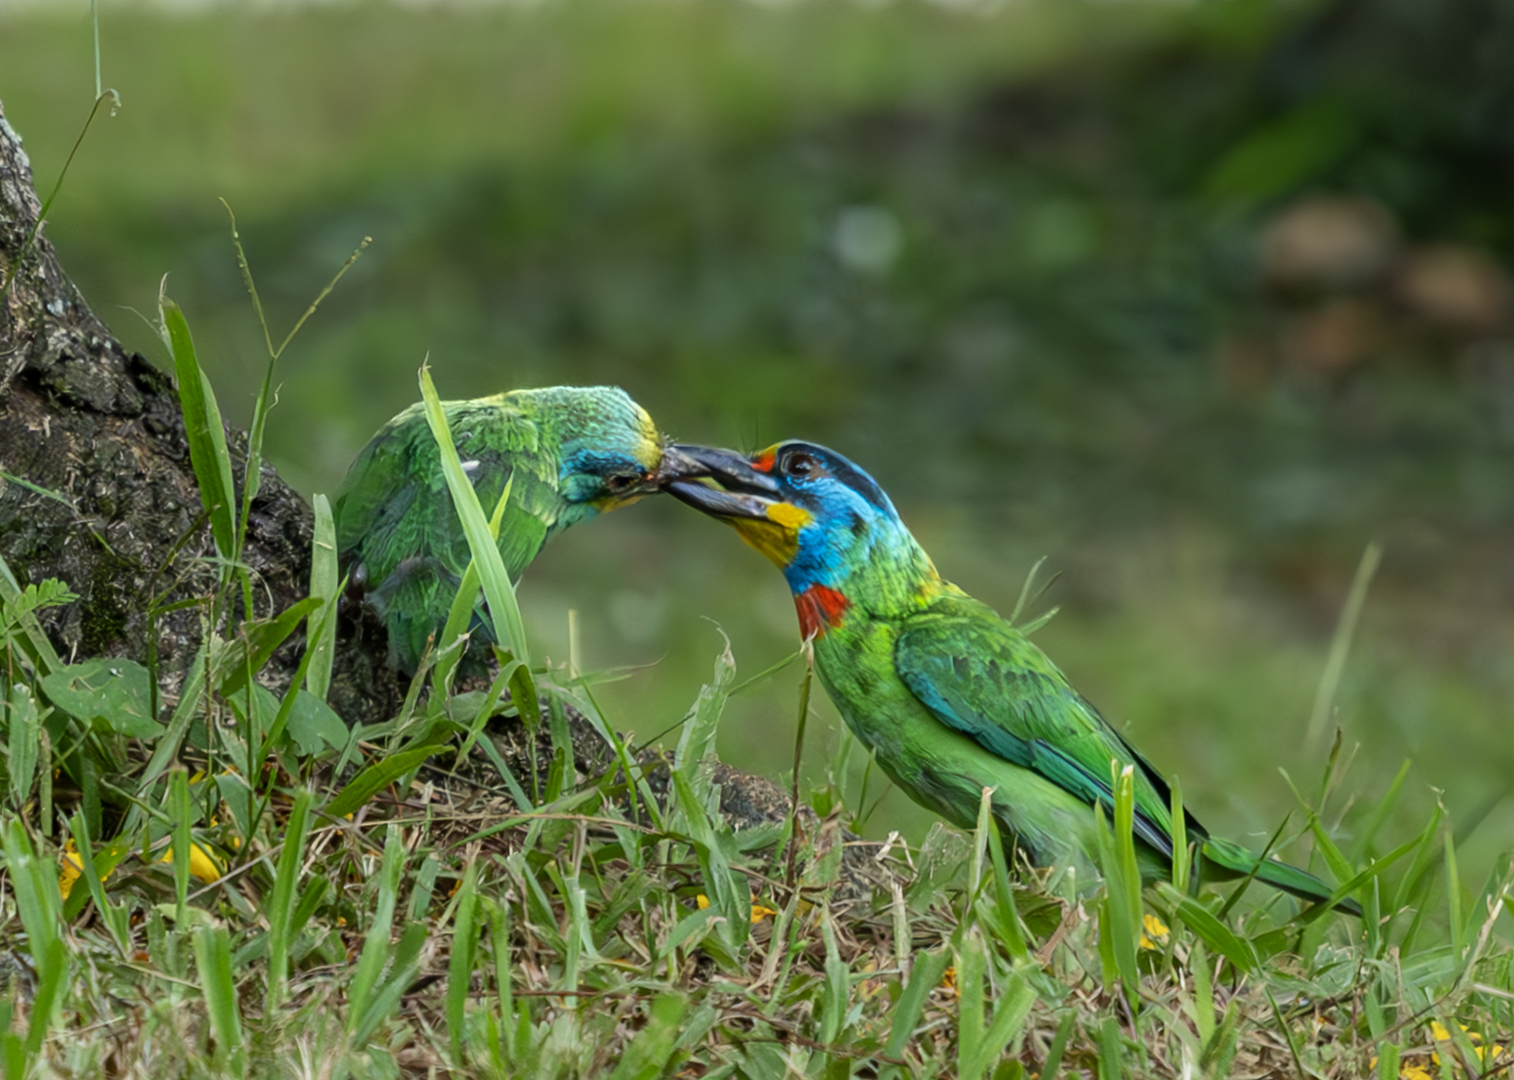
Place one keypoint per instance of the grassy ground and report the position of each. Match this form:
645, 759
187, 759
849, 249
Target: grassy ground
266, 921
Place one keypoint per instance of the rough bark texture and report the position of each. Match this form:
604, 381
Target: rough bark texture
97, 488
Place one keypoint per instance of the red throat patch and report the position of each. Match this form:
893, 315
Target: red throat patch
820, 608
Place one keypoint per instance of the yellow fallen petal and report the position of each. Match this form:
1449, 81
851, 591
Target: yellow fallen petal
758, 911
202, 864
1155, 933
1416, 1072
72, 868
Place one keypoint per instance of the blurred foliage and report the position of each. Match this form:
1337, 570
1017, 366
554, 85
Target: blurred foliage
1197, 298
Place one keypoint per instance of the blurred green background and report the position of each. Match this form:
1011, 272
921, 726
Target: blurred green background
1194, 298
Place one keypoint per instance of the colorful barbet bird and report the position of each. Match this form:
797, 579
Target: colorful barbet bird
948, 695
567, 452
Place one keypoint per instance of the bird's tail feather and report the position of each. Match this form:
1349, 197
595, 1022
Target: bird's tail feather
1232, 860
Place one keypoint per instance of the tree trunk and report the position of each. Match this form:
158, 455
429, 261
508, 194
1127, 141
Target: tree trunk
97, 488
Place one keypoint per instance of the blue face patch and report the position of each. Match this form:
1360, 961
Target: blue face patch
583, 473
854, 522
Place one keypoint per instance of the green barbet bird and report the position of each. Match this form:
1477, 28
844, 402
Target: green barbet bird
948, 695
567, 452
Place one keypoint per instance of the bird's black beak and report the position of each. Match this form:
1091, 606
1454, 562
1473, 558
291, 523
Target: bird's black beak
686, 462
744, 492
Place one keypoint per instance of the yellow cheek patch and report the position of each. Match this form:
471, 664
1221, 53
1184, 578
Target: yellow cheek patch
778, 542
605, 503
789, 516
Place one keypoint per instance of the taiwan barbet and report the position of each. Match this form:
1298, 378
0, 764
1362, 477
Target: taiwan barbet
948, 695
567, 452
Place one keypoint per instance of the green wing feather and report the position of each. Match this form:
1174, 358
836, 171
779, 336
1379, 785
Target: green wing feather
395, 518
980, 676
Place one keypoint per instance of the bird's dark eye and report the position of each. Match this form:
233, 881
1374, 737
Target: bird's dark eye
799, 465
618, 483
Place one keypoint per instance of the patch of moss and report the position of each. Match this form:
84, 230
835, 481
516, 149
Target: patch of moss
103, 617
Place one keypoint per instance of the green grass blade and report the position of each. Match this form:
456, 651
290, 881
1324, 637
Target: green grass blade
650, 1052
325, 585
279, 910
292, 695
460, 616
1215, 934
485, 710
1181, 856
34, 884
837, 994
1122, 898
1009, 1017
1058, 1046
1219, 1051
929, 968
726, 888
971, 961
180, 813
504, 612
24, 740
376, 941
1363, 846
203, 427
460, 963
212, 948
379, 775
1454, 898
1348, 888
697, 740
191, 693
116, 919
1340, 646
1008, 921
1203, 991
504, 986
255, 642
401, 975
34, 640
52, 962
1111, 1053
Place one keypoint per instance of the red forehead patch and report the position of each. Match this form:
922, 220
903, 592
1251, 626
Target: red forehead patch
764, 462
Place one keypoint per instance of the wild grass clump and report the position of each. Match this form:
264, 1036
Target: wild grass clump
294, 918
